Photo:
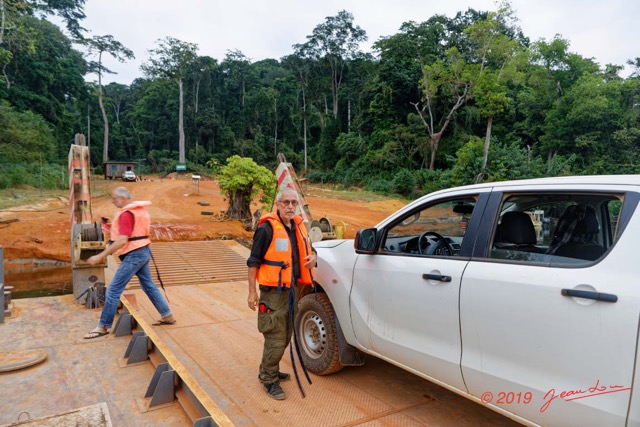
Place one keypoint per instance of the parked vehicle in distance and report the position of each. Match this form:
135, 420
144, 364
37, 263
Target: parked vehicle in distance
522, 296
128, 176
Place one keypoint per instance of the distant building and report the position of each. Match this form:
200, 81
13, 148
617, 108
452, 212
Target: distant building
115, 170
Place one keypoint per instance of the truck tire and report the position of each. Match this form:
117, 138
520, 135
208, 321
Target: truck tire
317, 334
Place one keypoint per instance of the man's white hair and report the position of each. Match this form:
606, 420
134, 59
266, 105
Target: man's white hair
287, 190
122, 192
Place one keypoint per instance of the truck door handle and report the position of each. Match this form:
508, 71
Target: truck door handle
437, 277
598, 296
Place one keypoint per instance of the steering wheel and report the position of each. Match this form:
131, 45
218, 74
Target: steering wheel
442, 245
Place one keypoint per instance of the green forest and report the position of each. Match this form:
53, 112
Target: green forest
444, 102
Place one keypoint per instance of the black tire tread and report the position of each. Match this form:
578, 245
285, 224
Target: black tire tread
329, 363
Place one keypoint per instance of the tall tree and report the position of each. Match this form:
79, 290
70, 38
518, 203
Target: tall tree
301, 66
15, 37
402, 56
35, 87
554, 69
172, 59
335, 41
497, 53
241, 180
446, 87
97, 45
238, 75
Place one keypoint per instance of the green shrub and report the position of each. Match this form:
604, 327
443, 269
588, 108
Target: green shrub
317, 176
34, 175
379, 185
429, 181
404, 183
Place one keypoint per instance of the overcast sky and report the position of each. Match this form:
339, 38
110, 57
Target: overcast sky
604, 30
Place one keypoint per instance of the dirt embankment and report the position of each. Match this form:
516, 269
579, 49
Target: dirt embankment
43, 230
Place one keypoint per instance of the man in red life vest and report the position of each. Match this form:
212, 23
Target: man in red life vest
281, 257
130, 240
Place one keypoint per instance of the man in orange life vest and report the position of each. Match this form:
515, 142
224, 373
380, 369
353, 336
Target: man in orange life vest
281, 254
130, 240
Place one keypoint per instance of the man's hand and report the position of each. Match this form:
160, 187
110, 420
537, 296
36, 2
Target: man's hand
95, 259
252, 301
312, 260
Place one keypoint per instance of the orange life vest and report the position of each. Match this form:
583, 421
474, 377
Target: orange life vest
276, 270
141, 226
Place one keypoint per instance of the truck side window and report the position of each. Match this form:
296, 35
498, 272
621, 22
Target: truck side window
435, 230
555, 228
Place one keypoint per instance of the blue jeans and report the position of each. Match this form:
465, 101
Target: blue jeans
135, 262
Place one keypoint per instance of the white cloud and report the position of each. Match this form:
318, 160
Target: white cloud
267, 29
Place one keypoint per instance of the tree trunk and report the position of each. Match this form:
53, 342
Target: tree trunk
435, 143
485, 159
335, 87
275, 113
182, 156
239, 204
304, 128
437, 136
105, 144
243, 94
3, 21
349, 115
197, 91
116, 110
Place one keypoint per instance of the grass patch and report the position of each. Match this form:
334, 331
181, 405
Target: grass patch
352, 194
26, 195
12, 197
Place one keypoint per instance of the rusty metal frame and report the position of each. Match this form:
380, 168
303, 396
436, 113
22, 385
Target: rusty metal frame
162, 387
123, 325
138, 349
196, 402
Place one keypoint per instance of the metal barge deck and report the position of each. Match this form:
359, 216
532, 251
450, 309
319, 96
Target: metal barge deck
214, 349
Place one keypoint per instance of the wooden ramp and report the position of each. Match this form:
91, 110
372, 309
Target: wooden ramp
193, 263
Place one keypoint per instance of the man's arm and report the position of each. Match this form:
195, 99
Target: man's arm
126, 228
252, 301
117, 244
261, 241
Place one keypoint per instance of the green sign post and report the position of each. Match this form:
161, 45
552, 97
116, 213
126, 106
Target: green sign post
181, 167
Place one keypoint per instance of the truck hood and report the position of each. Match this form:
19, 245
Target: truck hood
331, 243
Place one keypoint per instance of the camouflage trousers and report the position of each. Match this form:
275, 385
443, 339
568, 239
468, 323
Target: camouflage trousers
274, 324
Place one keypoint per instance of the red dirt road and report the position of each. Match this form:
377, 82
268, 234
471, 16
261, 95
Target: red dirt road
43, 230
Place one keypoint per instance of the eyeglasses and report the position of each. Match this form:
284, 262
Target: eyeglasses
289, 202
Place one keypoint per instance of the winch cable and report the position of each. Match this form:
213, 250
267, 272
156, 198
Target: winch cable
295, 372
292, 299
155, 264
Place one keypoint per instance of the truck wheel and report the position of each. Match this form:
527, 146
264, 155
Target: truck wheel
317, 335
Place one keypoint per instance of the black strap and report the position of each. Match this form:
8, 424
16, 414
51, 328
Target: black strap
304, 239
158, 273
131, 239
283, 265
291, 320
82, 294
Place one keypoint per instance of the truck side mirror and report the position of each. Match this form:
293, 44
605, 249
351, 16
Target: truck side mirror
365, 241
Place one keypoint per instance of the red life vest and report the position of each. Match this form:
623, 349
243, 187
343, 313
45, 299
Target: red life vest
276, 269
141, 226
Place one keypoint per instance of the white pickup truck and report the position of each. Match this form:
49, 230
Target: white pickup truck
523, 296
